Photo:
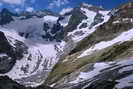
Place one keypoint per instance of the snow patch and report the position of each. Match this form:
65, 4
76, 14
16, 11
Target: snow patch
3, 55
127, 81
66, 10
125, 36
87, 75
65, 21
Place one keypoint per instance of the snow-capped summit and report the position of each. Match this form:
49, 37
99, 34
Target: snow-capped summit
65, 11
6, 16
39, 13
84, 20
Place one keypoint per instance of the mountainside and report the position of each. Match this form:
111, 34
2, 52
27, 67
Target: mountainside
86, 47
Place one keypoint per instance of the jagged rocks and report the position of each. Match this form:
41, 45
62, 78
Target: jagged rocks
5, 17
113, 75
7, 83
75, 20
9, 54
53, 29
120, 21
117, 76
104, 33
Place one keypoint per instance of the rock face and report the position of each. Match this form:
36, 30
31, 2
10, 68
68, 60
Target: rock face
119, 21
7, 83
7, 57
112, 76
26, 55
53, 29
109, 42
85, 47
9, 54
5, 16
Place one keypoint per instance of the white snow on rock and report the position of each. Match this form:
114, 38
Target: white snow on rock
65, 10
125, 36
83, 32
65, 21
127, 81
90, 74
42, 55
115, 22
123, 20
50, 19
124, 82
3, 54
128, 68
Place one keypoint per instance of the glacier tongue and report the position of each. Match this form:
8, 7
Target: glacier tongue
41, 55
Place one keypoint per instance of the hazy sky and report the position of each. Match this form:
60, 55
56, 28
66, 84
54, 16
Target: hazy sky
55, 5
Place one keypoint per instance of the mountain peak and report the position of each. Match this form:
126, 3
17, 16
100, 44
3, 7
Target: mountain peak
38, 13
91, 7
6, 16
5, 10
86, 4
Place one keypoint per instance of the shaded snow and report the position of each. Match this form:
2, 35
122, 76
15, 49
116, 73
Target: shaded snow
90, 74
128, 68
3, 54
65, 21
125, 82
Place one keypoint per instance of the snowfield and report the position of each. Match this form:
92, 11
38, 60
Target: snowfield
42, 55
125, 36
87, 75
99, 67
